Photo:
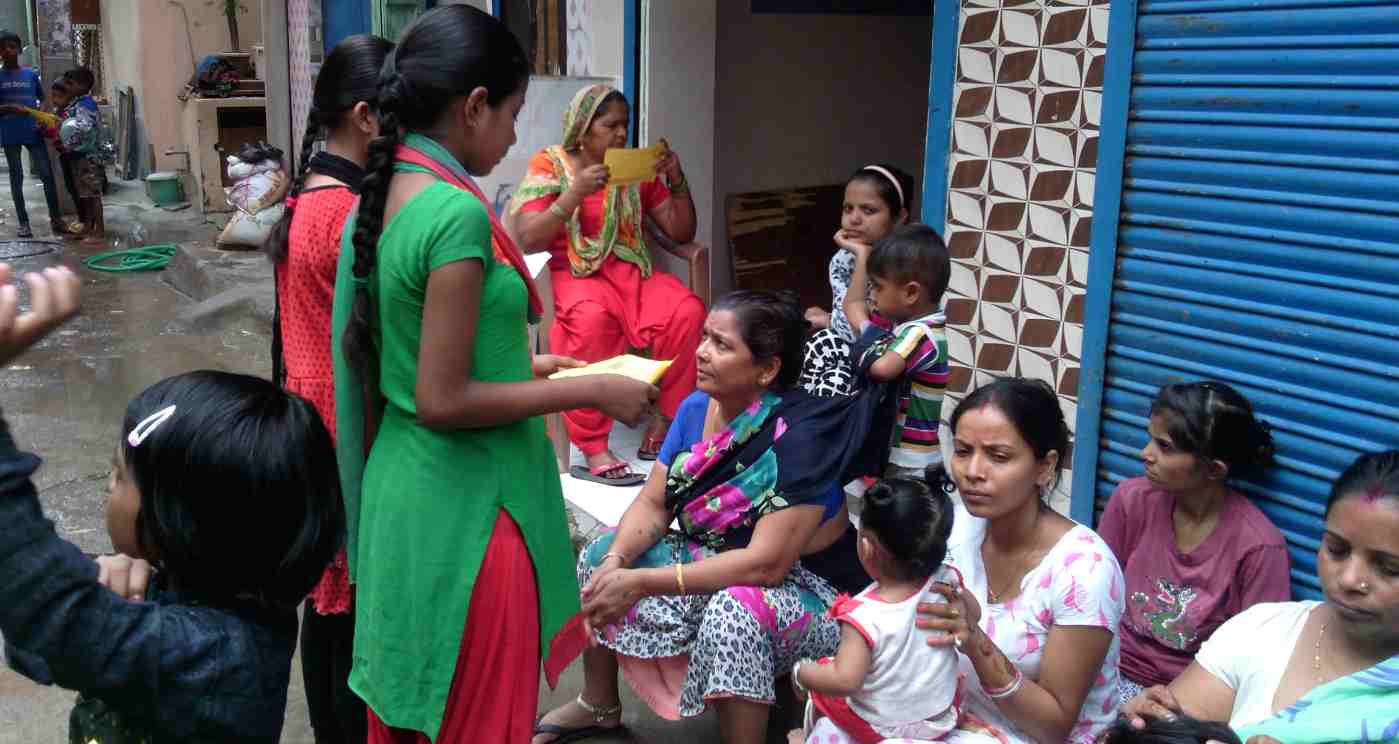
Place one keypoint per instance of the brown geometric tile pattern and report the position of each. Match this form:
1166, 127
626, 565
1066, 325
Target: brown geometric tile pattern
1026, 104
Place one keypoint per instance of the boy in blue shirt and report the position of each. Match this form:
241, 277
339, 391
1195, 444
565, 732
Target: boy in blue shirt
21, 89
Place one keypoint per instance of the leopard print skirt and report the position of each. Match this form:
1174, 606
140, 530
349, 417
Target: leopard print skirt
736, 641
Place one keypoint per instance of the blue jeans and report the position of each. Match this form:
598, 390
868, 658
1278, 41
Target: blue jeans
40, 153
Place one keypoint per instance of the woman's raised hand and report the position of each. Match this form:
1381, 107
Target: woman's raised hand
669, 165
624, 398
1155, 702
590, 180
957, 618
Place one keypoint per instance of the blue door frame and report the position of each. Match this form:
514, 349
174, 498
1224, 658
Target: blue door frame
938, 142
1102, 258
342, 18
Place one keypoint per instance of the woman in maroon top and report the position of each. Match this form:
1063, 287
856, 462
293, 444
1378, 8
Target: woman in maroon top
305, 248
1194, 551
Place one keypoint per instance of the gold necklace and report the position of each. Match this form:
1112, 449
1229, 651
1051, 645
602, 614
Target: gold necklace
1015, 577
1316, 658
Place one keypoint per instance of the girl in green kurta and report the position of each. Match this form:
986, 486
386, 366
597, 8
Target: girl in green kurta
459, 544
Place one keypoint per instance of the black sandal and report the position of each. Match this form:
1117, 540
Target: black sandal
579, 733
616, 474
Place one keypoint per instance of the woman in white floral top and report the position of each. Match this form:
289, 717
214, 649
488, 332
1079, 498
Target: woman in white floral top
1037, 619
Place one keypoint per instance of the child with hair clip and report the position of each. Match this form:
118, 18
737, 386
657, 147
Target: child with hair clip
1194, 550
886, 681
228, 487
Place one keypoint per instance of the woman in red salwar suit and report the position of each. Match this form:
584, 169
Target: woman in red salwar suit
608, 298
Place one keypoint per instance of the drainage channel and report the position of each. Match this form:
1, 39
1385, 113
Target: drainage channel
13, 249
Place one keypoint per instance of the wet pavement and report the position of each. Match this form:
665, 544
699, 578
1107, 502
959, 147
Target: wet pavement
65, 400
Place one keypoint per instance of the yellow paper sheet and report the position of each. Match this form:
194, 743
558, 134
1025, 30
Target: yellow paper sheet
633, 165
628, 365
43, 117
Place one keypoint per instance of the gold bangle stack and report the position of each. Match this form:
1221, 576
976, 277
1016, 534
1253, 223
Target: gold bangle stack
557, 211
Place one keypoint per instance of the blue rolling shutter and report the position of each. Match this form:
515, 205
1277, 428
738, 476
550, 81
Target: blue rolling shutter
1247, 230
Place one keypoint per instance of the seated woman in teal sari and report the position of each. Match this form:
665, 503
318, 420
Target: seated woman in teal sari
1339, 678
750, 472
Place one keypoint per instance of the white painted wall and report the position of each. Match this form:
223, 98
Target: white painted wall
603, 22
803, 100
679, 78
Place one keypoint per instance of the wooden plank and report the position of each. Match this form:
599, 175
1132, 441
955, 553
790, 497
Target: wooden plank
126, 132
87, 12
783, 240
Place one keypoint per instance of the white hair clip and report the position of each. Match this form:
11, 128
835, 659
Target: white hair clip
149, 425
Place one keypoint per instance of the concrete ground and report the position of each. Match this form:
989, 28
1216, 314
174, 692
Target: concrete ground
65, 401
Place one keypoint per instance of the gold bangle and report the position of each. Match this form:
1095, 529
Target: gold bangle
618, 556
557, 211
680, 577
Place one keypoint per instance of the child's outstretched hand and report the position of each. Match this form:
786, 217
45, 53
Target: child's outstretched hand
53, 298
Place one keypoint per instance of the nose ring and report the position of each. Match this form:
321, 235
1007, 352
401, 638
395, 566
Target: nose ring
1363, 587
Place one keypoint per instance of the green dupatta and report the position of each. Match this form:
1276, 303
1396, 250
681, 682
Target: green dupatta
1363, 707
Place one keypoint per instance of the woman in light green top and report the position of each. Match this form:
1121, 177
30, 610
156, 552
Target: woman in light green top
459, 544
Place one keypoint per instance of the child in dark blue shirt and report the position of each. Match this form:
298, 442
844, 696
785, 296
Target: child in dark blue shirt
228, 486
20, 89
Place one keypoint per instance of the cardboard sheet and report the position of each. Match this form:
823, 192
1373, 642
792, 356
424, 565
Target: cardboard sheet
629, 365
633, 165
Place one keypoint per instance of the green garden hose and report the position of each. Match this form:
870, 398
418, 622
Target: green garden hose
146, 258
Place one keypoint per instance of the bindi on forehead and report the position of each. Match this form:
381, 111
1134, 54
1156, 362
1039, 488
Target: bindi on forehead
1375, 495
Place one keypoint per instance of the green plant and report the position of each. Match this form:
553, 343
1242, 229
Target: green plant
231, 9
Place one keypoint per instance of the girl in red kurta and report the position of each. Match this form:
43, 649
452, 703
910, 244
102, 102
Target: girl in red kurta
305, 248
607, 297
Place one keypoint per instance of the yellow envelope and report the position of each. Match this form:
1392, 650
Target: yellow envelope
633, 165
627, 365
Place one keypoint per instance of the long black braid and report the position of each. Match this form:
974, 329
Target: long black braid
373, 194
278, 243
441, 57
